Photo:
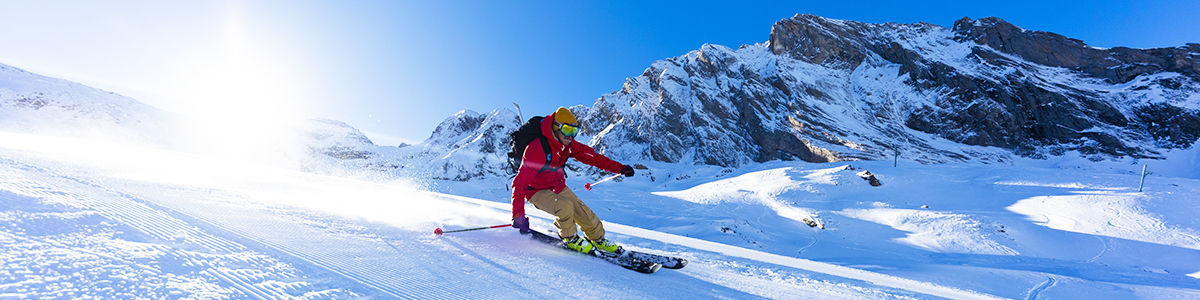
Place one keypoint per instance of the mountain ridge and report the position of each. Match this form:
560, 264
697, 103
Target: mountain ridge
825, 90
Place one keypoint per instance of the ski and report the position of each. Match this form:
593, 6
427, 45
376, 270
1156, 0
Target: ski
666, 261
624, 260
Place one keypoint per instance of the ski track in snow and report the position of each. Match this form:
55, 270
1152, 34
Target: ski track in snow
374, 262
237, 249
1103, 249
387, 275
226, 261
254, 240
1037, 290
1106, 214
804, 264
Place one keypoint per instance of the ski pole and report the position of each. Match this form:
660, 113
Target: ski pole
588, 186
439, 231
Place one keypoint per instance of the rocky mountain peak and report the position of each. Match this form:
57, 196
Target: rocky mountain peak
827, 90
818, 40
1116, 65
452, 129
966, 25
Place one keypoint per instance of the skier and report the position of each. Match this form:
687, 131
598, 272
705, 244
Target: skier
541, 180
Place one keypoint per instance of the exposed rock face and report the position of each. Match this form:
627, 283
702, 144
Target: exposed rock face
482, 133
1033, 111
827, 90
451, 132
465, 146
822, 41
1117, 65
712, 106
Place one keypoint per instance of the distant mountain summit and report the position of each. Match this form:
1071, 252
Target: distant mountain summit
467, 145
827, 90
1115, 65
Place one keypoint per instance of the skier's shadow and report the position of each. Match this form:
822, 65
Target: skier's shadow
468, 251
473, 253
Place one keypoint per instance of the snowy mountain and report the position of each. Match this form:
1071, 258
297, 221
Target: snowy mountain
334, 147
830, 90
34, 103
825, 90
468, 145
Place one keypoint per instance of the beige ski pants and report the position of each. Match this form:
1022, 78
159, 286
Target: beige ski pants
569, 211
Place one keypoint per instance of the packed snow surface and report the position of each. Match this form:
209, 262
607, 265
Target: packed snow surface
82, 218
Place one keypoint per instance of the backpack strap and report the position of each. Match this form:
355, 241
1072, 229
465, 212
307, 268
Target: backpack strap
546, 148
549, 161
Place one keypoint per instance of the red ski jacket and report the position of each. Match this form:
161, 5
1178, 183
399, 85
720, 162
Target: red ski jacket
536, 173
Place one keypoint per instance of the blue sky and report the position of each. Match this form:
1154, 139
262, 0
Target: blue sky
396, 68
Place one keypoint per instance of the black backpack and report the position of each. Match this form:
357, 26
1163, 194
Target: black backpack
521, 138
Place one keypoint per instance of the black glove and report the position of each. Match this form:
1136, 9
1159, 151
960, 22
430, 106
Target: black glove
627, 171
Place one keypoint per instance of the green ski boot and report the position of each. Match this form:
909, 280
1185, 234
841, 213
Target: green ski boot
578, 244
607, 246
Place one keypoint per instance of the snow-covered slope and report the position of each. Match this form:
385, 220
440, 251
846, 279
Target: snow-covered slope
75, 226
35, 103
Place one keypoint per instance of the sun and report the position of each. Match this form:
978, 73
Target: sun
246, 100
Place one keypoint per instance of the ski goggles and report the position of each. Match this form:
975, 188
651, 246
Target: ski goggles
569, 130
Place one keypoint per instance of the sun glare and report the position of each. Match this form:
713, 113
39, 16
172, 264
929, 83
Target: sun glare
246, 103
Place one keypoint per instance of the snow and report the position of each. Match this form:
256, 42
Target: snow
755, 188
1107, 213
35, 103
266, 220
75, 225
936, 231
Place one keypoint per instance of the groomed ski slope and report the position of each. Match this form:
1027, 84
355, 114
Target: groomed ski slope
170, 224
81, 218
